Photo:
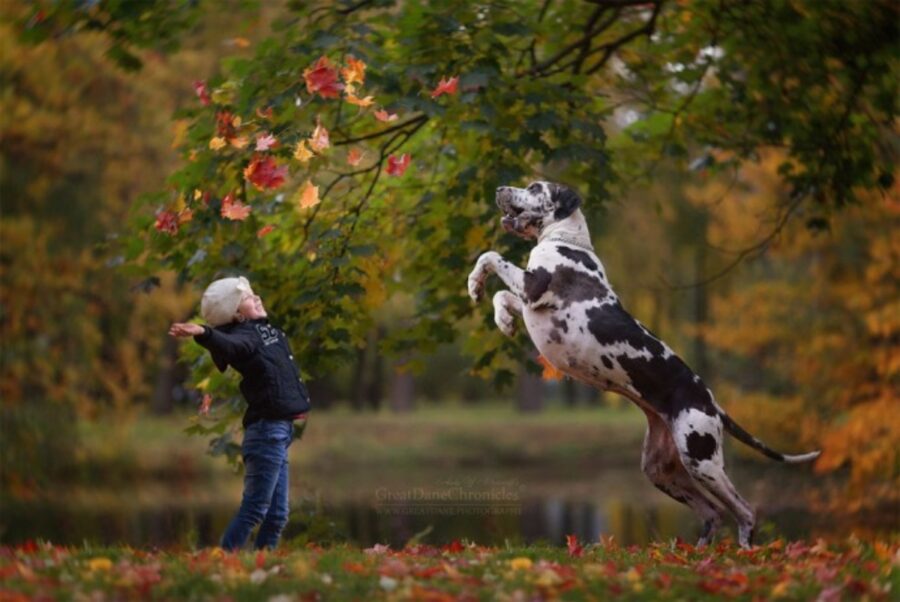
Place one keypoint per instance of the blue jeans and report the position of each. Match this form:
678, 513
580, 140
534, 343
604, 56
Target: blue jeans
265, 452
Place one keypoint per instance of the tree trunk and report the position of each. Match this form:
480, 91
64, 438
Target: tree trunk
530, 392
403, 391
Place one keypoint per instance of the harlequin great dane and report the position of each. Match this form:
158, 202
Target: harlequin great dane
578, 324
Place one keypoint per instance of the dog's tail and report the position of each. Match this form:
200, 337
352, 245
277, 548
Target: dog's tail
744, 437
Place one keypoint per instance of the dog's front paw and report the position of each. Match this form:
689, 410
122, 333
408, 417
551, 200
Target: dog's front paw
506, 322
476, 285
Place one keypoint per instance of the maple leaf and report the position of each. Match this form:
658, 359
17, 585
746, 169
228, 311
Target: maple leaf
217, 142
225, 124
239, 142
266, 142
167, 221
382, 115
445, 86
264, 230
302, 152
354, 72
264, 173
202, 92
233, 209
396, 166
575, 548
354, 156
550, 371
368, 101
308, 195
322, 79
319, 140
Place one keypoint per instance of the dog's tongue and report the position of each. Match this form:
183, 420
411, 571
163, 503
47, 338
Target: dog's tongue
508, 222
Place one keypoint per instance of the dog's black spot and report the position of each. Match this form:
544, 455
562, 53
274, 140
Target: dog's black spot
555, 337
701, 447
536, 283
607, 362
578, 257
566, 201
581, 329
561, 324
572, 286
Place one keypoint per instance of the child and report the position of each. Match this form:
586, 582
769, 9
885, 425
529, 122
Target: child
240, 335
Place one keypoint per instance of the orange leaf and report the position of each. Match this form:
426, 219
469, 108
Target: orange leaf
360, 102
354, 72
302, 152
264, 230
233, 209
550, 371
309, 195
354, 156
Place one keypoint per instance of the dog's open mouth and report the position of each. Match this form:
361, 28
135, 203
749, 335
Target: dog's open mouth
510, 221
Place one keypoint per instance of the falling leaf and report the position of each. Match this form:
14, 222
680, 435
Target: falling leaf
360, 102
382, 115
302, 152
396, 166
225, 124
264, 230
354, 156
205, 405
239, 42
264, 113
185, 215
354, 72
233, 209
167, 222
322, 79
309, 195
445, 86
217, 142
202, 92
319, 140
264, 173
550, 371
239, 141
266, 142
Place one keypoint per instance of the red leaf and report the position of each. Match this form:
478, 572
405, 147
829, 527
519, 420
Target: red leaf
397, 165
167, 221
260, 559
264, 173
382, 115
575, 548
202, 92
322, 79
264, 230
445, 86
454, 547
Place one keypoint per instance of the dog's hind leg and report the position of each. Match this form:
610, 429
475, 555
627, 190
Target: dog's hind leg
661, 462
506, 307
698, 437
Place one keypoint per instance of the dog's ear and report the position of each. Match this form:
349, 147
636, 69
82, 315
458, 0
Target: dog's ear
566, 201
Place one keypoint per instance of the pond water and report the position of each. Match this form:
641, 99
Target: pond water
490, 507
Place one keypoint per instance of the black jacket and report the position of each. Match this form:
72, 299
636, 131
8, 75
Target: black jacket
271, 385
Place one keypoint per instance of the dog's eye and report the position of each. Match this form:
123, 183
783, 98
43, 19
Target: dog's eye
534, 188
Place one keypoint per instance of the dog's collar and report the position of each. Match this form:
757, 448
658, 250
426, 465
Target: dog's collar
568, 240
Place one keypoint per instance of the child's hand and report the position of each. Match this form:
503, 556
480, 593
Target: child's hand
185, 330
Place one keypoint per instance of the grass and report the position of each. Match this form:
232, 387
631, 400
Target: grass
458, 571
